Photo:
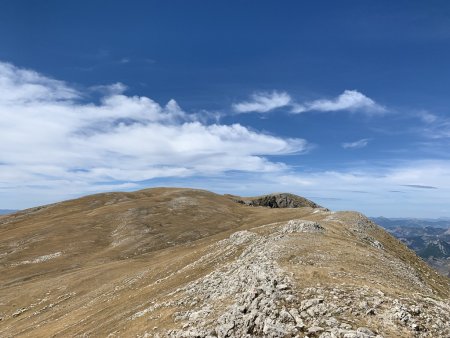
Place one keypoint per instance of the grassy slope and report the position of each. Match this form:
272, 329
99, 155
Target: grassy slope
110, 250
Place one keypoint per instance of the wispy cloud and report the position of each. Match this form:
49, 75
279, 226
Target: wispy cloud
356, 145
419, 186
349, 100
359, 191
263, 102
427, 117
436, 127
51, 137
112, 89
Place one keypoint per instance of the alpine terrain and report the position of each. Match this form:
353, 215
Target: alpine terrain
172, 262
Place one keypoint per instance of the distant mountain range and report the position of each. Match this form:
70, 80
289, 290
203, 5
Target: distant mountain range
412, 222
429, 238
6, 211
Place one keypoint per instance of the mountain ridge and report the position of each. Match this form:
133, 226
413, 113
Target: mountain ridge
180, 263
7, 211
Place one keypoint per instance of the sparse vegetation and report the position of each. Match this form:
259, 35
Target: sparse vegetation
190, 263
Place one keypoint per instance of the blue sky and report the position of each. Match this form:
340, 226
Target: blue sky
343, 102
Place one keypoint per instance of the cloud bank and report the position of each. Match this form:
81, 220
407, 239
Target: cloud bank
349, 100
418, 188
52, 136
57, 143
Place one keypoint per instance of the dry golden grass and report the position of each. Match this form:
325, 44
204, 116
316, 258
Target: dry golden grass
86, 266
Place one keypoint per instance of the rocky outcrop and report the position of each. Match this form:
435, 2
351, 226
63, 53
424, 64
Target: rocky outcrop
297, 225
282, 200
254, 296
261, 292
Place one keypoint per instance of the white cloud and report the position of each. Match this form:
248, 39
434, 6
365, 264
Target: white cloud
50, 137
263, 102
350, 100
26, 86
356, 145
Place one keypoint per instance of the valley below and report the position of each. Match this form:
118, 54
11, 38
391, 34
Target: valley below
430, 239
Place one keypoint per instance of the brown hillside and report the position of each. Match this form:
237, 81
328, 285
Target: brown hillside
190, 263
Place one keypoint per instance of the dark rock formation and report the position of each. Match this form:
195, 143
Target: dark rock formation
281, 200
